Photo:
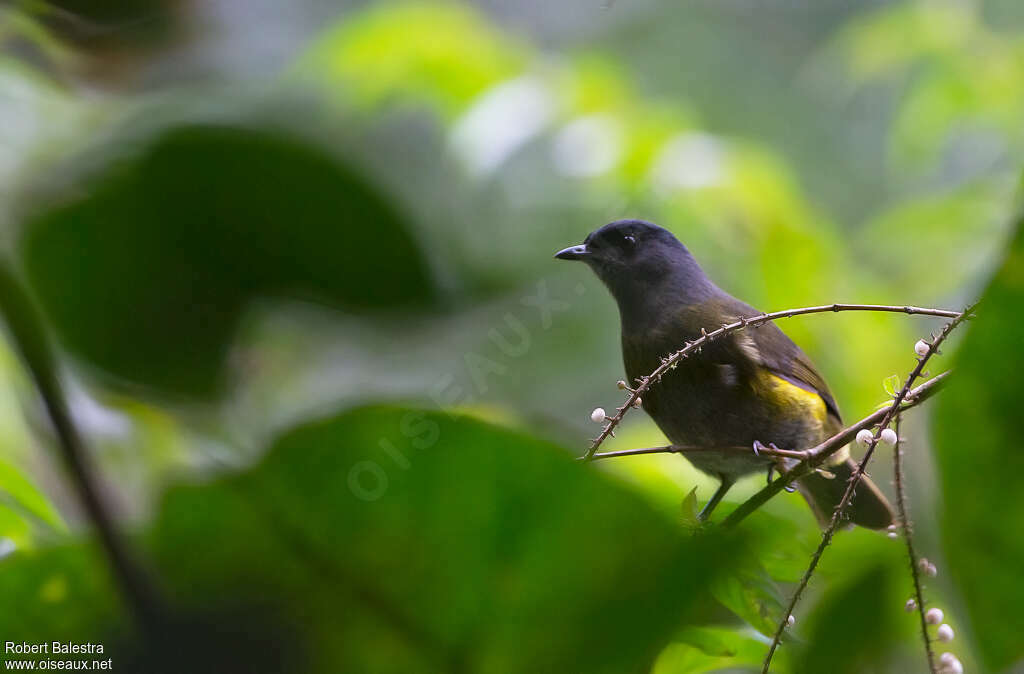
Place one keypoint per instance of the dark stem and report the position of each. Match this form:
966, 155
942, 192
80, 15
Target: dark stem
815, 455
837, 515
826, 449
29, 337
670, 361
690, 449
901, 505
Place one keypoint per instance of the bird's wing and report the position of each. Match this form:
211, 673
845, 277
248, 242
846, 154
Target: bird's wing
768, 346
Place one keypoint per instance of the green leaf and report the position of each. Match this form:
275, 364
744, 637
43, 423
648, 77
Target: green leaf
724, 642
691, 510
856, 626
145, 271
751, 594
981, 466
782, 546
707, 649
22, 497
394, 540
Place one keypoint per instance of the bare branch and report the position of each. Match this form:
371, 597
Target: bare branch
689, 449
829, 447
29, 337
673, 359
837, 515
815, 456
915, 575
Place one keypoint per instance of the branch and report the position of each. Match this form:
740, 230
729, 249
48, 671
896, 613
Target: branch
29, 337
823, 451
815, 456
837, 515
690, 449
901, 504
670, 361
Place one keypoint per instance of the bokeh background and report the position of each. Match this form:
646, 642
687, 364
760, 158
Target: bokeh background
240, 216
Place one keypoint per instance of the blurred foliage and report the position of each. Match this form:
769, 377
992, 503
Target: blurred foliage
708, 649
967, 81
855, 626
228, 248
354, 540
229, 214
976, 434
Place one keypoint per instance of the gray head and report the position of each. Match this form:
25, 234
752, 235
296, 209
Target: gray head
637, 259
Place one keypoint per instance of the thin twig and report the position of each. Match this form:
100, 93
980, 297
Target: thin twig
901, 505
840, 509
30, 339
829, 447
815, 456
690, 449
673, 359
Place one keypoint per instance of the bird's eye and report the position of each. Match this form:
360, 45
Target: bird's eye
629, 240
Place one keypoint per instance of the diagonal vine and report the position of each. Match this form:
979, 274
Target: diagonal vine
915, 574
889, 413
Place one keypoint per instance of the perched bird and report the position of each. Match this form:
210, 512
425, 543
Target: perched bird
752, 386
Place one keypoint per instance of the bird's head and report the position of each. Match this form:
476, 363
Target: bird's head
635, 258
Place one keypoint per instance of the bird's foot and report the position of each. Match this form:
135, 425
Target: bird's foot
759, 447
771, 473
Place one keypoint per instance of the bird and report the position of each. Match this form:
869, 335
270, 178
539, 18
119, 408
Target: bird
751, 388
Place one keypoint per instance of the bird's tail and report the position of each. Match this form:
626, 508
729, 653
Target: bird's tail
869, 507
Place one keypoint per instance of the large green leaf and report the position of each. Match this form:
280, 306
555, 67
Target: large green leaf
856, 626
145, 270
707, 649
391, 540
981, 466
752, 595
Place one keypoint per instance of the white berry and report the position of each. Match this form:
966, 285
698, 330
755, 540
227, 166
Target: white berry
597, 416
790, 621
893, 535
864, 436
950, 664
889, 436
931, 570
921, 348
910, 606
933, 616
944, 633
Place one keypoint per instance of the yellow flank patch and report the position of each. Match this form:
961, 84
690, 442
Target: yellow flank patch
799, 401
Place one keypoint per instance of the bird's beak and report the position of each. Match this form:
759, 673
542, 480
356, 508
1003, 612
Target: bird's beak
573, 252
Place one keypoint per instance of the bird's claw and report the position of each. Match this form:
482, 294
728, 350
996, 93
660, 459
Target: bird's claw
758, 446
772, 468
